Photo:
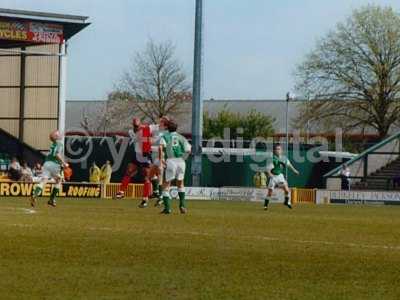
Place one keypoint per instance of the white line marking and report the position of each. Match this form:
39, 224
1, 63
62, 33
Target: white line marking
28, 211
102, 229
263, 238
196, 233
327, 243
21, 225
244, 237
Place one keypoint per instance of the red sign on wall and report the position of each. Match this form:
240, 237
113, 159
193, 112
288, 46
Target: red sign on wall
35, 32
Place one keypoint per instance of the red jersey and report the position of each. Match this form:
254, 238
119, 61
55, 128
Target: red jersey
143, 138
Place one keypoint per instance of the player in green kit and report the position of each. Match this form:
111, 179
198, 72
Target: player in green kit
176, 149
52, 169
157, 169
276, 170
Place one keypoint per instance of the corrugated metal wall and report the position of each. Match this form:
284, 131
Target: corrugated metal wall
41, 102
40, 113
37, 132
41, 96
10, 67
9, 70
42, 70
9, 102
11, 126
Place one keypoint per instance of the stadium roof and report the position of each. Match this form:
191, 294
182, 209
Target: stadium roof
72, 24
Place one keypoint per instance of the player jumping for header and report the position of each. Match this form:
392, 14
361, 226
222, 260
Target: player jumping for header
141, 136
175, 149
52, 169
275, 171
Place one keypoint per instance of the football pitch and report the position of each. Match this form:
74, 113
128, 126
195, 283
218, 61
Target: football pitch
106, 249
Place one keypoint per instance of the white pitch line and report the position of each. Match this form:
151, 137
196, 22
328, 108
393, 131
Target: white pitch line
28, 211
327, 243
247, 237
18, 210
102, 229
264, 238
21, 225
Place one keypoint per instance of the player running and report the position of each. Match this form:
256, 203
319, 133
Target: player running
52, 170
176, 149
275, 171
141, 136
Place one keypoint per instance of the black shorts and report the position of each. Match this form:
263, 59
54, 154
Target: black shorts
143, 160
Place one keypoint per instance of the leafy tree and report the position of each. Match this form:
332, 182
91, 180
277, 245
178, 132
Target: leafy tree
253, 124
354, 74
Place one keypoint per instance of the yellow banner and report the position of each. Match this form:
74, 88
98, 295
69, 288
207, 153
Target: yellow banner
74, 190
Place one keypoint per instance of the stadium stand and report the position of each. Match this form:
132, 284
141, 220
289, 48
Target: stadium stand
12, 146
382, 179
374, 169
4, 162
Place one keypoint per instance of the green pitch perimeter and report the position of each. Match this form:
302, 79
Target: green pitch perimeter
103, 249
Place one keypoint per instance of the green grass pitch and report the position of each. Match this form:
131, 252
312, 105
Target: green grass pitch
106, 249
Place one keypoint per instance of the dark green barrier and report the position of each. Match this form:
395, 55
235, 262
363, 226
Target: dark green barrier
233, 171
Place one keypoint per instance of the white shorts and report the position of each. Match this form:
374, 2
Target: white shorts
175, 169
276, 181
51, 170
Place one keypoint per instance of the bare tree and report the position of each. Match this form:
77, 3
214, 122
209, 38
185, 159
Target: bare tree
110, 116
357, 65
155, 84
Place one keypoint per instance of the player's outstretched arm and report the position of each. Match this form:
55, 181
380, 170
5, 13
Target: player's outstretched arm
162, 148
187, 147
61, 160
294, 170
132, 136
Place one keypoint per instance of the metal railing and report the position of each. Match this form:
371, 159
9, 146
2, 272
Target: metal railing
368, 162
303, 195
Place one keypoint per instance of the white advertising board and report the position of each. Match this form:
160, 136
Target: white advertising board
230, 193
358, 197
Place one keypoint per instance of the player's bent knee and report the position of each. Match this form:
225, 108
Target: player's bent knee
154, 171
131, 169
146, 173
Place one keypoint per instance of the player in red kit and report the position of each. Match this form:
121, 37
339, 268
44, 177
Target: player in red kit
141, 136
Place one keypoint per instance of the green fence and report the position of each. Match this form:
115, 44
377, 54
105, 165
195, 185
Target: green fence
239, 170
232, 170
